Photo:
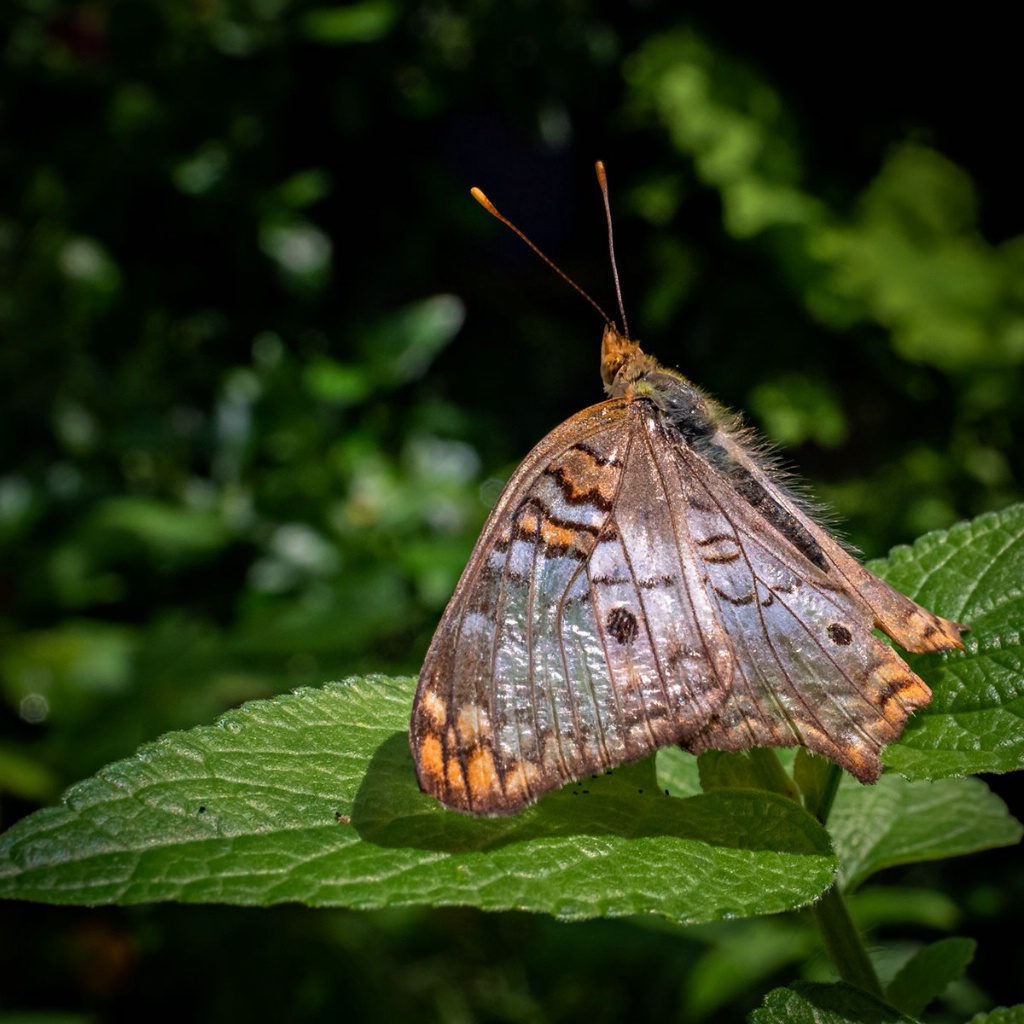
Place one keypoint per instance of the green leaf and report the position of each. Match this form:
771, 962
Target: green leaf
970, 573
757, 768
741, 956
928, 973
1002, 1015
312, 798
881, 905
365, 22
244, 811
166, 528
678, 772
817, 1003
900, 822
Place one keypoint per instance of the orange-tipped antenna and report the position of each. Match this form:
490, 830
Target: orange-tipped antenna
478, 195
602, 180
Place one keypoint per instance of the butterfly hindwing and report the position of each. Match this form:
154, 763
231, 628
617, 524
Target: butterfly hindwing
807, 667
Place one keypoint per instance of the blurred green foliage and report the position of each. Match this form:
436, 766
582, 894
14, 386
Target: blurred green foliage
239, 451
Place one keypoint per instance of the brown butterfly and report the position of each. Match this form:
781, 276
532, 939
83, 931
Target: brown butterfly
645, 580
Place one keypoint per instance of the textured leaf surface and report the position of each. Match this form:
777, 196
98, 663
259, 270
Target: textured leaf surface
900, 822
1003, 1015
815, 1003
312, 798
973, 573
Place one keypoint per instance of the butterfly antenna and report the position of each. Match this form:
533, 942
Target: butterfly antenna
602, 180
494, 212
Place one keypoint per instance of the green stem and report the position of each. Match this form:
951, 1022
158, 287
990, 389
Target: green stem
771, 774
817, 780
844, 944
820, 783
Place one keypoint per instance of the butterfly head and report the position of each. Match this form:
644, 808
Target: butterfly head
623, 362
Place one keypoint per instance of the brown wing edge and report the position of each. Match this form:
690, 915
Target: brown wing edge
456, 762
891, 692
898, 690
914, 628
893, 688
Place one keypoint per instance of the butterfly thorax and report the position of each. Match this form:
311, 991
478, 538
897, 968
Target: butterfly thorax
688, 416
630, 373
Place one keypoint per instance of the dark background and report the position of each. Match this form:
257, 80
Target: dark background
239, 453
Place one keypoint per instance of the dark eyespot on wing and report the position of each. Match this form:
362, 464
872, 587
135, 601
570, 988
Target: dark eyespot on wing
622, 625
839, 634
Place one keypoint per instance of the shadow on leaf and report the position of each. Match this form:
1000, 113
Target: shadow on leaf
389, 811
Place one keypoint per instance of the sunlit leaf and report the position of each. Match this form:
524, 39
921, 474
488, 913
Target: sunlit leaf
312, 798
970, 573
815, 1003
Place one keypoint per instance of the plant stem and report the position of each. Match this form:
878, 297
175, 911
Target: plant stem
818, 780
772, 776
844, 944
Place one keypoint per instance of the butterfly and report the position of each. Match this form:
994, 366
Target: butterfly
647, 579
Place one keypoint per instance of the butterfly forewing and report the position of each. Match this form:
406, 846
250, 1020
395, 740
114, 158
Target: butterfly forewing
514, 692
